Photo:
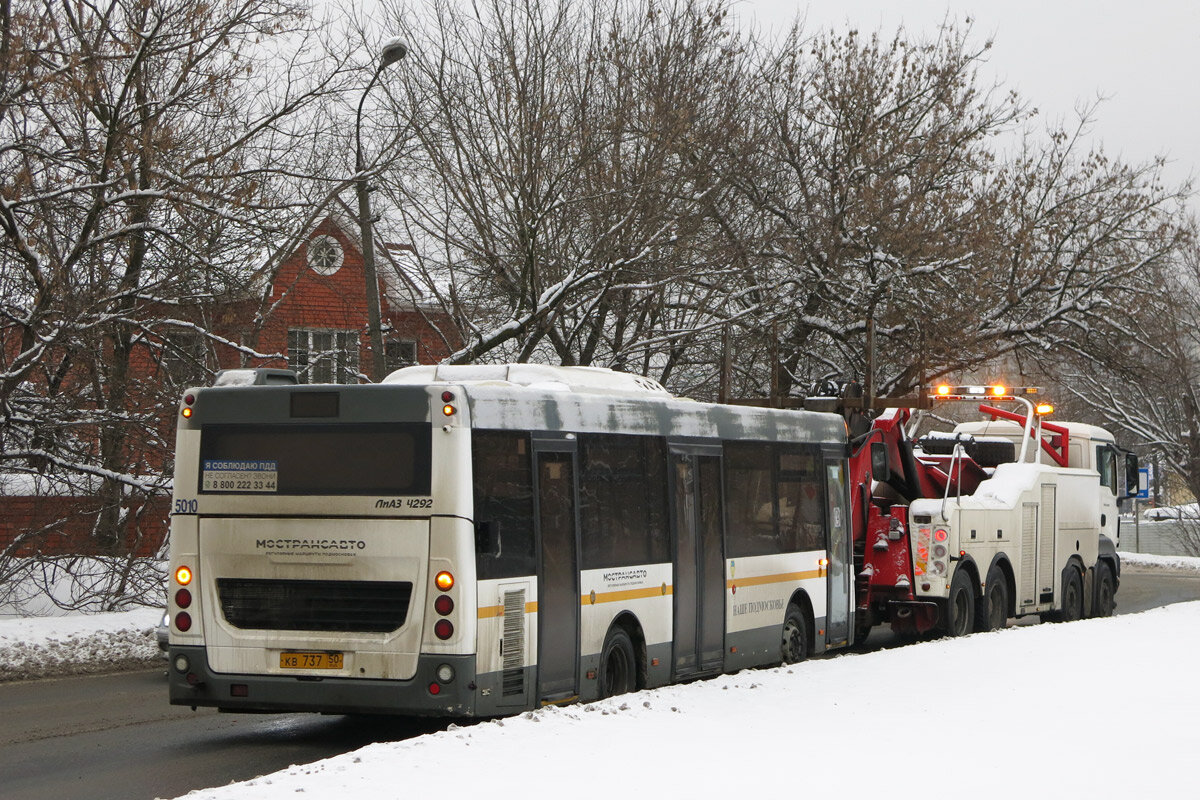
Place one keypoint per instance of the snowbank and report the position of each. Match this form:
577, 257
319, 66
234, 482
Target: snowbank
1033, 706
35, 647
1172, 563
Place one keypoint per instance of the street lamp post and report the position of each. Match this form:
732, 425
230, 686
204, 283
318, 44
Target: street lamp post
393, 51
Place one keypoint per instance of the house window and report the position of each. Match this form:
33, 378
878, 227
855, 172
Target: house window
400, 353
323, 356
325, 255
184, 359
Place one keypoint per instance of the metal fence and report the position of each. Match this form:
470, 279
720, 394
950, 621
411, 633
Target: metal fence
1161, 538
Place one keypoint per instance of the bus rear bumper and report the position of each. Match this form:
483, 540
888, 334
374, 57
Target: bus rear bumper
198, 686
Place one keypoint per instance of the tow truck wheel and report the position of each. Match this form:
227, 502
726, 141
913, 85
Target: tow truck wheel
1105, 602
1072, 597
861, 633
794, 648
960, 609
992, 612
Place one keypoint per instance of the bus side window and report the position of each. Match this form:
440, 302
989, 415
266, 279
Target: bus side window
502, 476
623, 500
487, 538
801, 500
750, 500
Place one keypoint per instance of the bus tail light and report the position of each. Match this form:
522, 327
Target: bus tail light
183, 622
183, 598
443, 605
444, 629
435, 688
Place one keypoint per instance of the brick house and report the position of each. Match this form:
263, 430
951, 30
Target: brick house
318, 309
312, 318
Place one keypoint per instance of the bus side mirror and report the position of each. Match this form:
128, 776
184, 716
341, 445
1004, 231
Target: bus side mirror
880, 468
487, 539
1133, 479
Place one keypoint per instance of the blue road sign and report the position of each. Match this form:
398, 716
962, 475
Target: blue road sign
1143, 492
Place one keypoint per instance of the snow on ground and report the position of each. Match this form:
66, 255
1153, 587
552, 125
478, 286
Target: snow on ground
1099, 708
34, 647
1171, 563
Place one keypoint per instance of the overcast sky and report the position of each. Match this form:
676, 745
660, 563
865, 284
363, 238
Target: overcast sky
1143, 57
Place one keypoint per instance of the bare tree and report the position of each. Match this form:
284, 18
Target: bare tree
153, 152
1138, 373
562, 168
876, 190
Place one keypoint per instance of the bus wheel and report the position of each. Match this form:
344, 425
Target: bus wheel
1105, 595
1072, 597
992, 612
794, 647
618, 666
960, 610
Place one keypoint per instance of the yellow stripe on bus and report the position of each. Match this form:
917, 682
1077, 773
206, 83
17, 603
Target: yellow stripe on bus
627, 594
758, 580
487, 612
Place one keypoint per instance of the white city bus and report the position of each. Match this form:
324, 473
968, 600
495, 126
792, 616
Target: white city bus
477, 541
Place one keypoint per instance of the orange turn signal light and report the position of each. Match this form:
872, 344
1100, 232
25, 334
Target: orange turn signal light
183, 576
444, 581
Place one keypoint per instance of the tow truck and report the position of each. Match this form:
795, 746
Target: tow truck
1003, 517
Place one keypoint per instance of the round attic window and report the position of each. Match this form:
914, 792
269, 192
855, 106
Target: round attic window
325, 255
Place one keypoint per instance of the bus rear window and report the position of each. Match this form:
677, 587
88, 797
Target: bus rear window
391, 458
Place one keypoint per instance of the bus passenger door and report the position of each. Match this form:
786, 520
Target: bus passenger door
558, 574
699, 582
841, 595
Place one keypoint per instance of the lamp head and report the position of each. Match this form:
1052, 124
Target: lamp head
392, 51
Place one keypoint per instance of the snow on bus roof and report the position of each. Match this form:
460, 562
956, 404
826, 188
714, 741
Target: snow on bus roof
596, 399
598, 380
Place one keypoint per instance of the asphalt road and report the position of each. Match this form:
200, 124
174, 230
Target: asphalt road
114, 736
1143, 589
